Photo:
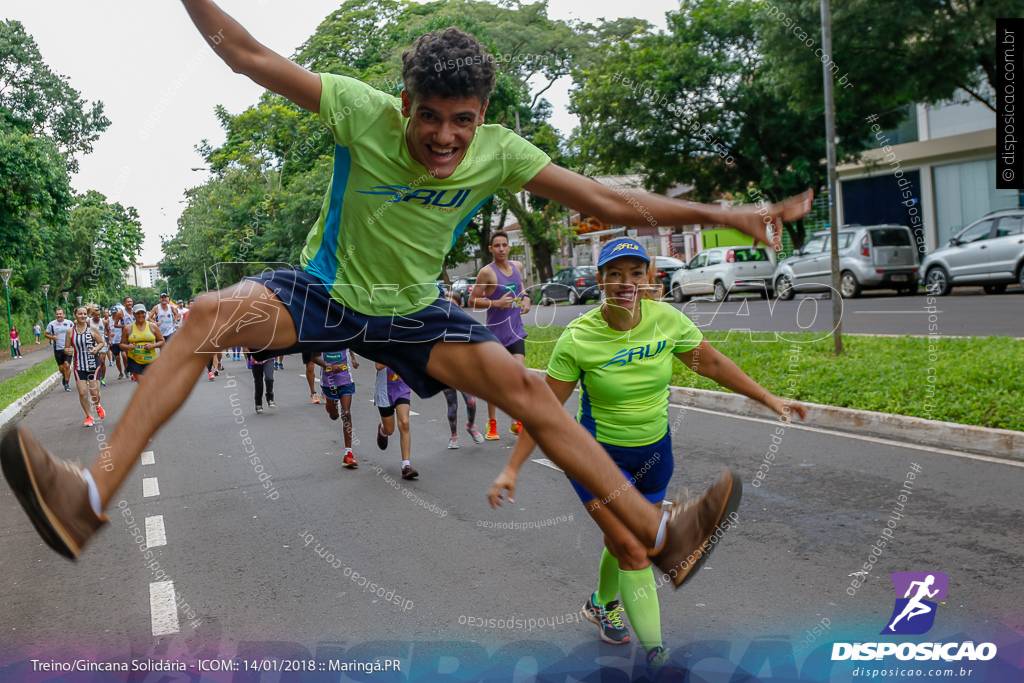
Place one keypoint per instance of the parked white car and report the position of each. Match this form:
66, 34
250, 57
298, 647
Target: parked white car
721, 271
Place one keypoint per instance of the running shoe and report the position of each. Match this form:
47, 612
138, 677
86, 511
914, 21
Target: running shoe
477, 436
120, 375
103, 382
608, 620
658, 658
350, 460
492, 430
89, 422
259, 409
270, 403
211, 375
52, 492
314, 398
332, 408
132, 375
99, 411
695, 528
382, 438
66, 387
216, 372
516, 427
409, 472
220, 366
453, 442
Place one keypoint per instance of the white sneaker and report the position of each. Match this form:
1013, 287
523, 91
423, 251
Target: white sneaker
453, 442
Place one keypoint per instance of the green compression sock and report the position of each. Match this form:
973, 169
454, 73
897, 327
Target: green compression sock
608, 579
640, 599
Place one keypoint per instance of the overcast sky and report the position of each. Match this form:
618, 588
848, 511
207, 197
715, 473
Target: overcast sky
133, 56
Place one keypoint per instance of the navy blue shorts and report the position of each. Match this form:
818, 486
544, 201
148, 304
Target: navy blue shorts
335, 393
648, 468
401, 342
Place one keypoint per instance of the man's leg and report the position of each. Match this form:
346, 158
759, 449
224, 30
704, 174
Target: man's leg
346, 418
489, 372
311, 380
404, 432
219, 320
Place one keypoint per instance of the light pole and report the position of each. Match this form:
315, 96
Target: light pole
46, 301
65, 295
5, 273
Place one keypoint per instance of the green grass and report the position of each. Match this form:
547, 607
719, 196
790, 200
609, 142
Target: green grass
14, 388
977, 381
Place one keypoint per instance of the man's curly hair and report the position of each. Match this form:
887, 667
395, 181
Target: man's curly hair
449, 63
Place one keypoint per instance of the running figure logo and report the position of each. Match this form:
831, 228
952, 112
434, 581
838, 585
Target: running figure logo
914, 612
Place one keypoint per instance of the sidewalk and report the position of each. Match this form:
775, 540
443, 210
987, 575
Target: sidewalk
34, 355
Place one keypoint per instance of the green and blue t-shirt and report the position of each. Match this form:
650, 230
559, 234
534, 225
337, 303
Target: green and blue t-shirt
624, 376
386, 224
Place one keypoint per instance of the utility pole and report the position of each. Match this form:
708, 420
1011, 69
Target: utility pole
833, 182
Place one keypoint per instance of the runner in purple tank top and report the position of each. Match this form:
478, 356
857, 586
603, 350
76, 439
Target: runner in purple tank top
391, 396
338, 387
499, 289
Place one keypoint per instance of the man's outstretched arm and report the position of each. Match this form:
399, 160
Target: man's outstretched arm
245, 55
636, 208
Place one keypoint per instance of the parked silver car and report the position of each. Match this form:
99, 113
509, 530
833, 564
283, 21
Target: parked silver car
988, 252
870, 257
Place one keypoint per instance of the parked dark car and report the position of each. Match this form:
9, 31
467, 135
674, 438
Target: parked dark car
462, 288
664, 268
576, 284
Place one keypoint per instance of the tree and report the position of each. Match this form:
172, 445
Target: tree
697, 105
921, 53
44, 101
100, 242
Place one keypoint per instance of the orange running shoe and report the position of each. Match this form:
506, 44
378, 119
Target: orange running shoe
492, 430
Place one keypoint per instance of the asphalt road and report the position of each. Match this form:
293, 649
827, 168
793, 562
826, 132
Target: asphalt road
267, 575
968, 312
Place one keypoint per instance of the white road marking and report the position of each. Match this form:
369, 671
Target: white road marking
150, 487
155, 535
547, 463
163, 608
848, 435
147, 458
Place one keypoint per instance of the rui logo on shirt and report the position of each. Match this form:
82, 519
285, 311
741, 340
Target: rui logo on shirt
638, 352
443, 199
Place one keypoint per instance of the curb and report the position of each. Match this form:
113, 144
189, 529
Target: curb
998, 443
11, 411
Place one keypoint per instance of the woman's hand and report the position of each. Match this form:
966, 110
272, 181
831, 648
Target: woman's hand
787, 407
506, 481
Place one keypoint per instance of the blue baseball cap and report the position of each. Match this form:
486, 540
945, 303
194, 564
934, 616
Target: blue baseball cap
621, 247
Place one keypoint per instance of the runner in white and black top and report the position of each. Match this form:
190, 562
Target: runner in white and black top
120, 318
56, 331
95, 319
83, 341
166, 316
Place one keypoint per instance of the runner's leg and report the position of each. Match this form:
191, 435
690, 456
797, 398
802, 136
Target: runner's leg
217, 321
346, 418
489, 372
83, 395
404, 432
